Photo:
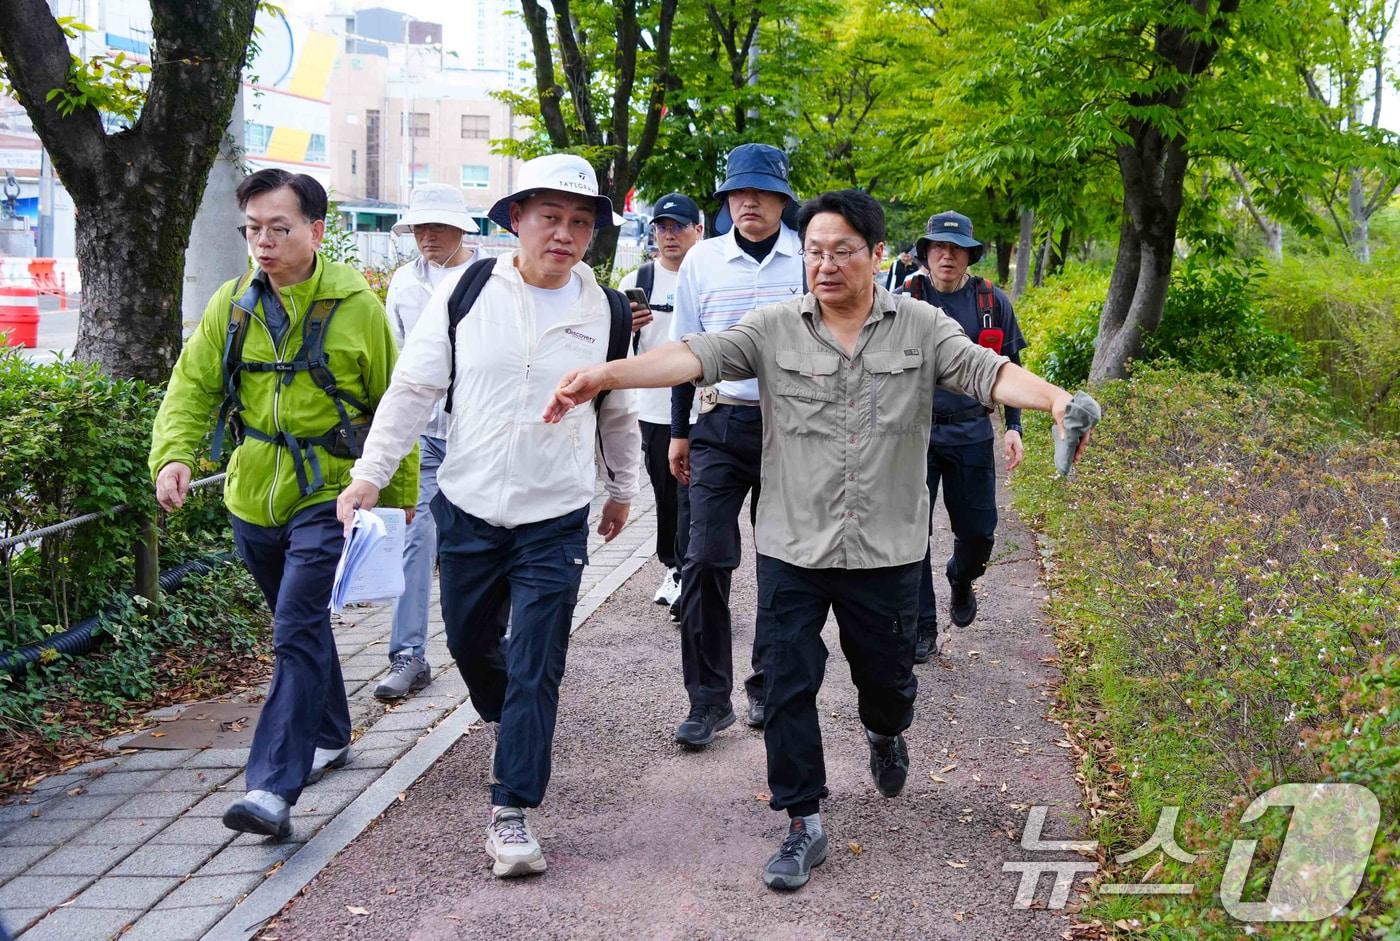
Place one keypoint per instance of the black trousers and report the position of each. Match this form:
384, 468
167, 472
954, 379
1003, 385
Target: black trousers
534, 571
656, 444
726, 447
875, 614
968, 474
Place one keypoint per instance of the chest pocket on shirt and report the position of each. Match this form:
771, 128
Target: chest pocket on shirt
895, 390
806, 384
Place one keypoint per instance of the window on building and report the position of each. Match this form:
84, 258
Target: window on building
475, 176
476, 126
416, 175
256, 137
316, 149
418, 124
354, 162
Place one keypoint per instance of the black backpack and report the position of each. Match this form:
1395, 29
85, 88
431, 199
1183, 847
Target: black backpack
345, 440
469, 288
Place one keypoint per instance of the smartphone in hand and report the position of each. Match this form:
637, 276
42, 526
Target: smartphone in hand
638, 296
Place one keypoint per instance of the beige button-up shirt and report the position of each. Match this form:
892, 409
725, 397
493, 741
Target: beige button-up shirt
845, 437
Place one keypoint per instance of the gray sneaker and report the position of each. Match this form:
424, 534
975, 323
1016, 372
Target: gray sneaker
407, 674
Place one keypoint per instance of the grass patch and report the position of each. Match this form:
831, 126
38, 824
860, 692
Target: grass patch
1226, 592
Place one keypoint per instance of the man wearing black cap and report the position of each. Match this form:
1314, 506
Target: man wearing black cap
960, 453
676, 227
754, 262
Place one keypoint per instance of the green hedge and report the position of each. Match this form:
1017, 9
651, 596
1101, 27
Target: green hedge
1212, 322
74, 441
1225, 581
1346, 316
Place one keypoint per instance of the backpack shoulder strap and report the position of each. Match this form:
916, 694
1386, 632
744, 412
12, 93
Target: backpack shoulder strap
988, 307
619, 335
646, 277
232, 359
464, 295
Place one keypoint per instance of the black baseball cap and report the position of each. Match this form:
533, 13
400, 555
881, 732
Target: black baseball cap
677, 206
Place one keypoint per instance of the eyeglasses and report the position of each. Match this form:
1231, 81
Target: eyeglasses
840, 257
254, 232
669, 228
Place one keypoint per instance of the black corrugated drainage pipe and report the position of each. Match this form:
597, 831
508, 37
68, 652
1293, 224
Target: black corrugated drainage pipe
84, 636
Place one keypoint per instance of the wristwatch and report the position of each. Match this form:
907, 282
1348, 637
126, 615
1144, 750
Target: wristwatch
1016, 428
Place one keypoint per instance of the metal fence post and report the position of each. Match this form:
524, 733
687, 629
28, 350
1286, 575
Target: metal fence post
147, 554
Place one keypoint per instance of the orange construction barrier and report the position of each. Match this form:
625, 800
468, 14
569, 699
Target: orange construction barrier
19, 315
41, 270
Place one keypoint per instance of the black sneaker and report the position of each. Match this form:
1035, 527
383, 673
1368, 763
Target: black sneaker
926, 644
962, 606
755, 712
889, 762
700, 726
791, 866
676, 611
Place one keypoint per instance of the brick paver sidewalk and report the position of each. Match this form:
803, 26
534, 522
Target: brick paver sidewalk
135, 842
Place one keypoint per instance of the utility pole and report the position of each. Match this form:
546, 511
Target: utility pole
45, 205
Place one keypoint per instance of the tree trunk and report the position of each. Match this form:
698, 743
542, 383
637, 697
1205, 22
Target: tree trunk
134, 192
1041, 257
1360, 219
1023, 253
1152, 164
1003, 251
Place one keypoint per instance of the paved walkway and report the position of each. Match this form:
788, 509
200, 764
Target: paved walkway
134, 843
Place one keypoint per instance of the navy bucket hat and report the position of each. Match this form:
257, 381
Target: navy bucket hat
757, 167
953, 227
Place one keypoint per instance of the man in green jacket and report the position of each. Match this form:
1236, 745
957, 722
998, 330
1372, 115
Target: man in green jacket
299, 353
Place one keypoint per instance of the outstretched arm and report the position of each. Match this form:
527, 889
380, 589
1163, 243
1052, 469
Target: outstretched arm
1021, 388
665, 366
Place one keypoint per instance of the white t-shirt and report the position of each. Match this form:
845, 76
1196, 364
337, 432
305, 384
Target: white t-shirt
654, 405
552, 305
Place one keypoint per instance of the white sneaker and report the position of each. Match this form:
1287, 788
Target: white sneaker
511, 844
670, 588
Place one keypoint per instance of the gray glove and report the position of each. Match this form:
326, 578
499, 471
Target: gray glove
1081, 415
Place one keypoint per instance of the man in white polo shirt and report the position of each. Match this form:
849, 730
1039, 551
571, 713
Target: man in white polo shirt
438, 219
756, 262
514, 492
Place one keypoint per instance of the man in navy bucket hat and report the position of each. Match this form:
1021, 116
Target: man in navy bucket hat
760, 167
962, 442
754, 261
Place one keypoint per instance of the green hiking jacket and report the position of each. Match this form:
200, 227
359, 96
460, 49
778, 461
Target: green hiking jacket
261, 487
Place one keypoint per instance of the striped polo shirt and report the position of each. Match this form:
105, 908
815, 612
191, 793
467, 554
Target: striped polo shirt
719, 284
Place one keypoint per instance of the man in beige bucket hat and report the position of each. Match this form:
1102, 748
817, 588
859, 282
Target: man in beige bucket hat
437, 218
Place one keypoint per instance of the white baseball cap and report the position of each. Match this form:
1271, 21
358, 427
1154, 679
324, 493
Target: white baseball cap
436, 202
564, 173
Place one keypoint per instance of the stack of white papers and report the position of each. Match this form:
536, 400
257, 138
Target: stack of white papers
371, 565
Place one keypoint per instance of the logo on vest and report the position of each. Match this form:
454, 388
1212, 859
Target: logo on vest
578, 336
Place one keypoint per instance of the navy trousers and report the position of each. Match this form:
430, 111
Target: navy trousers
875, 615
726, 447
294, 566
968, 474
534, 571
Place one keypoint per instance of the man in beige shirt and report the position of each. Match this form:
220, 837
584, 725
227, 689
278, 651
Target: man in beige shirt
846, 377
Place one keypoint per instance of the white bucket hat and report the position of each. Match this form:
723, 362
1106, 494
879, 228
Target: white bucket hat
565, 173
436, 202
